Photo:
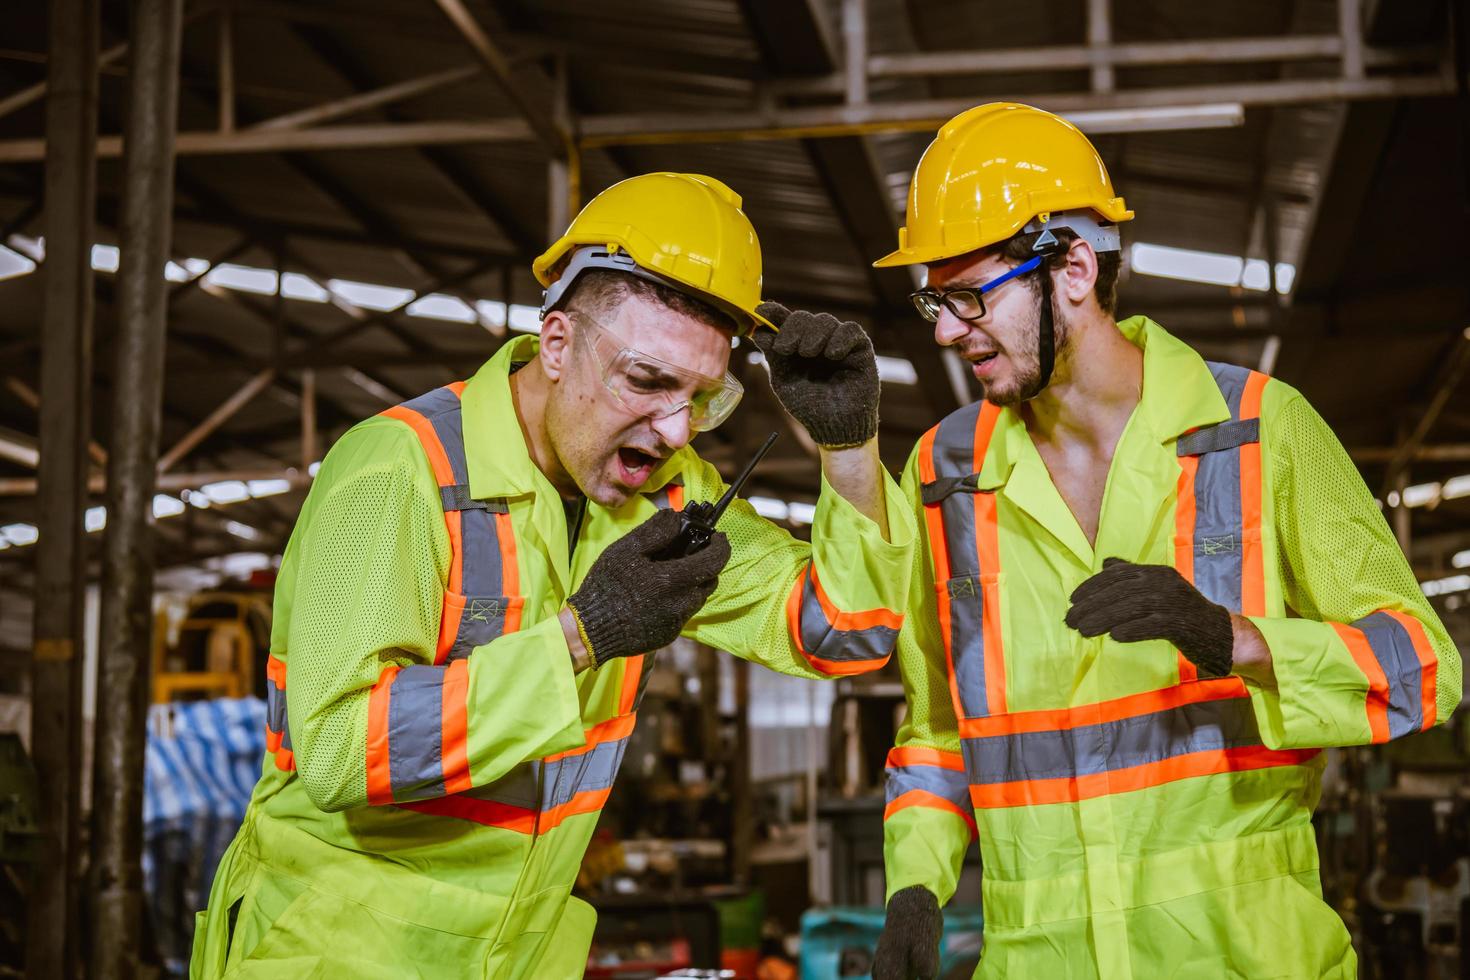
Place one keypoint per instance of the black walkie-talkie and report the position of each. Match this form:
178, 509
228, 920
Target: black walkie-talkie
700, 517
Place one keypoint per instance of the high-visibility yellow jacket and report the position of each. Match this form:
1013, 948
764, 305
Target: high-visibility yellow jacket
1135, 821
434, 767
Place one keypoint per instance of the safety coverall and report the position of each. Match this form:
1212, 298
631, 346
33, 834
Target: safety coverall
435, 768
1134, 820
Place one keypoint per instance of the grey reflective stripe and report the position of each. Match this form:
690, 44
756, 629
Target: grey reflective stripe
1225, 435
945, 783
1394, 650
457, 497
415, 731
592, 770
482, 578
1209, 726
275, 707
820, 638
1218, 523
954, 457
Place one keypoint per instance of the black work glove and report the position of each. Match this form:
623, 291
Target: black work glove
631, 602
824, 373
1154, 602
908, 948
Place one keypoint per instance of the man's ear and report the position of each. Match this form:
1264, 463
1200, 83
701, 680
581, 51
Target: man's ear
556, 344
1079, 275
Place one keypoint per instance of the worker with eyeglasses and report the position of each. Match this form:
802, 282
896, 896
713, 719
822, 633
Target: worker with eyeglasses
466, 610
1150, 590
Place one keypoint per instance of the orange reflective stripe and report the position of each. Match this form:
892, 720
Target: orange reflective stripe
1253, 567
1118, 709
1376, 702
919, 755
449, 619
987, 534
1428, 663
846, 621
510, 569
589, 801
379, 773
1071, 789
454, 744
457, 387
628, 694
285, 760
1184, 518
273, 740
676, 496
607, 731
433, 448
275, 669
939, 551
924, 798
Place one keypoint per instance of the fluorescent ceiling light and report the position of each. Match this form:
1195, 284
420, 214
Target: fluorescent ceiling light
1461, 559
1420, 494
296, 286
246, 279
1213, 268
1456, 487
13, 264
370, 296
166, 506
105, 258
95, 519
267, 488
492, 312
896, 370
244, 531
20, 533
437, 306
801, 513
526, 319
1444, 586
770, 508
225, 492
1223, 115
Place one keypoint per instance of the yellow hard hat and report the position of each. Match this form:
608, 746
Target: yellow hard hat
992, 171
683, 230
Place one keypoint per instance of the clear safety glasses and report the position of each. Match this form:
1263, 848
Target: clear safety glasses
653, 388
969, 303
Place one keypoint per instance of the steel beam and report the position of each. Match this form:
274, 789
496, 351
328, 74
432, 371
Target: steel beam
242, 397
127, 559
1454, 366
1128, 110
53, 928
552, 136
378, 98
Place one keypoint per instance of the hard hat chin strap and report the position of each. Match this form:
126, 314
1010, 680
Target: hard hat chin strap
1045, 246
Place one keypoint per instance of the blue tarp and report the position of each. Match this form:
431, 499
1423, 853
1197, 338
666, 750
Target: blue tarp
203, 760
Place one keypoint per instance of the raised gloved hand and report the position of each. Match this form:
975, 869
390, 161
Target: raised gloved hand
908, 947
824, 373
1154, 602
631, 602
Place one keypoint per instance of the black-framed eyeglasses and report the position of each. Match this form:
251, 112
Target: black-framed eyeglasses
968, 303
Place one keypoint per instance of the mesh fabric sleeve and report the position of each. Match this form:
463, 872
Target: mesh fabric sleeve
1364, 658
825, 609
928, 821
371, 718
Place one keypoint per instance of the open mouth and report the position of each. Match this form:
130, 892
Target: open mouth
635, 465
981, 366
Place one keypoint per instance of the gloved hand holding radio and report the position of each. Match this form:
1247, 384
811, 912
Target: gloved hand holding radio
632, 602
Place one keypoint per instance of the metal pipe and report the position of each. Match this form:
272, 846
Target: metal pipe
855, 50
376, 99
37, 92
216, 418
226, 67
53, 927
127, 558
1099, 36
24, 486
1350, 30
1129, 110
308, 417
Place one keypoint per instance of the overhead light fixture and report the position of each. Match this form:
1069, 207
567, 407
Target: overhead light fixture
1099, 122
1213, 268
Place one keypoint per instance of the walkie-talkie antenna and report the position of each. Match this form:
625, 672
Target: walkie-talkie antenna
739, 482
